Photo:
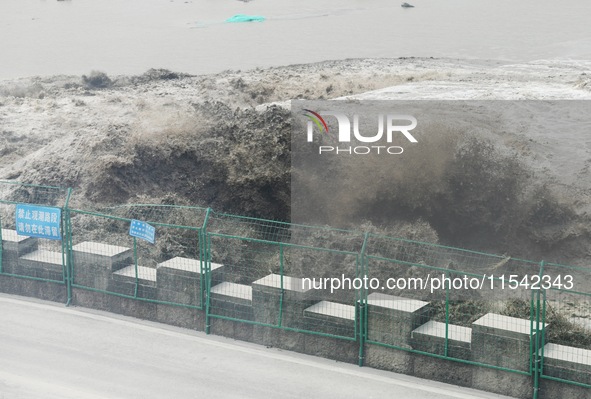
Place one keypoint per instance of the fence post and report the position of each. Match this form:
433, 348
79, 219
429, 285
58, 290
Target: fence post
446, 342
538, 341
361, 304
1, 245
282, 292
543, 338
67, 247
206, 257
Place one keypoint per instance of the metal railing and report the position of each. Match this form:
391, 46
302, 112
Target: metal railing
282, 275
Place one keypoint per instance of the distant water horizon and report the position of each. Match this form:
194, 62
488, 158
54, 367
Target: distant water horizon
73, 37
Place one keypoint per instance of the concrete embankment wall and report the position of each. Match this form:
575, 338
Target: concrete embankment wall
382, 331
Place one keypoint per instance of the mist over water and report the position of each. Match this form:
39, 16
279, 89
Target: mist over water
46, 37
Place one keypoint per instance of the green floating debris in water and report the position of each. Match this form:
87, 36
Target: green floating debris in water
245, 18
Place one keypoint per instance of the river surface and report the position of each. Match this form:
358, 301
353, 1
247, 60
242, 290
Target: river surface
46, 37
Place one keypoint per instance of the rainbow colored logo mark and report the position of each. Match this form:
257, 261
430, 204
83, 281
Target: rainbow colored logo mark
317, 119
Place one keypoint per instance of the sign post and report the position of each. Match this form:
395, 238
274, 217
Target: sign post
139, 229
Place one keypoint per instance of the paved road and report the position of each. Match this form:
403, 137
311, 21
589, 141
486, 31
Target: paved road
50, 351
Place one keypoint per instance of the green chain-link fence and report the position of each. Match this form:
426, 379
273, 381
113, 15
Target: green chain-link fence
367, 289
273, 275
565, 349
27, 257
449, 303
107, 259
